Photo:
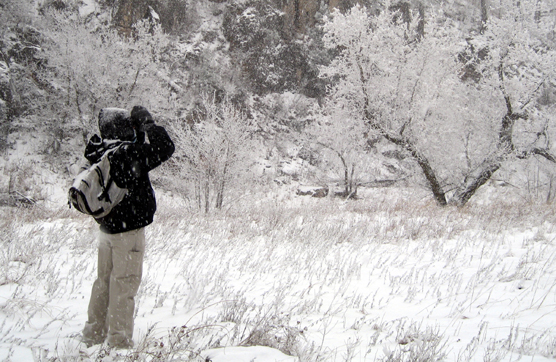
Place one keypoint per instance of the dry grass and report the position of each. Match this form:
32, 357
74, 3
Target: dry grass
391, 277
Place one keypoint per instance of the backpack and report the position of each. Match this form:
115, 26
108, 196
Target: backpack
93, 191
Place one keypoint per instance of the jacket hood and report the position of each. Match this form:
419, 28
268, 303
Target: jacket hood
115, 123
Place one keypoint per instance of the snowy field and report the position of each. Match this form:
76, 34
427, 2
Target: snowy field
389, 277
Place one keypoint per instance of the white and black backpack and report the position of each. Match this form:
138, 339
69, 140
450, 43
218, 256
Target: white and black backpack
93, 191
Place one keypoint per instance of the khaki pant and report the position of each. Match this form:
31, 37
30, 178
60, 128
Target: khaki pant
112, 305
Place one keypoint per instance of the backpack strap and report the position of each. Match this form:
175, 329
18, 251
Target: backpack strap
104, 194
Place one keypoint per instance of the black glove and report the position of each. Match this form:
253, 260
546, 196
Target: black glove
139, 117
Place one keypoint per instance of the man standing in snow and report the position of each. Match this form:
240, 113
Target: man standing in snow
122, 232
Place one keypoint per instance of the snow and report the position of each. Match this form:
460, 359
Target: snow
246, 354
154, 14
87, 7
287, 278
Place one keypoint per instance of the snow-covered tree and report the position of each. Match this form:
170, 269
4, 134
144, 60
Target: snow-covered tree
345, 156
91, 66
211, 150
519, 61
407, 88
20, 88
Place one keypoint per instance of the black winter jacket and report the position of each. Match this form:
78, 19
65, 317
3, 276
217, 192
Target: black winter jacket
129, 168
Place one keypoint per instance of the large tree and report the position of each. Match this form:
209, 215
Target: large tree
91, 66
407, 86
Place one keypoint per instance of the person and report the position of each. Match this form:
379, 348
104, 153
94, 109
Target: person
121, 240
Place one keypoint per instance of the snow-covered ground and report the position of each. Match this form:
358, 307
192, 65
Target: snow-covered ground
388, 277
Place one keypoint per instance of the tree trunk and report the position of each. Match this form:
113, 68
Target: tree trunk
346, 178
220, 191
538, 12
481, 175
484, 172
484, 15
10, 110
352, 183
207, 196
198, 194
220, 196
421, 24
222, 183
430, 175
423, 162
